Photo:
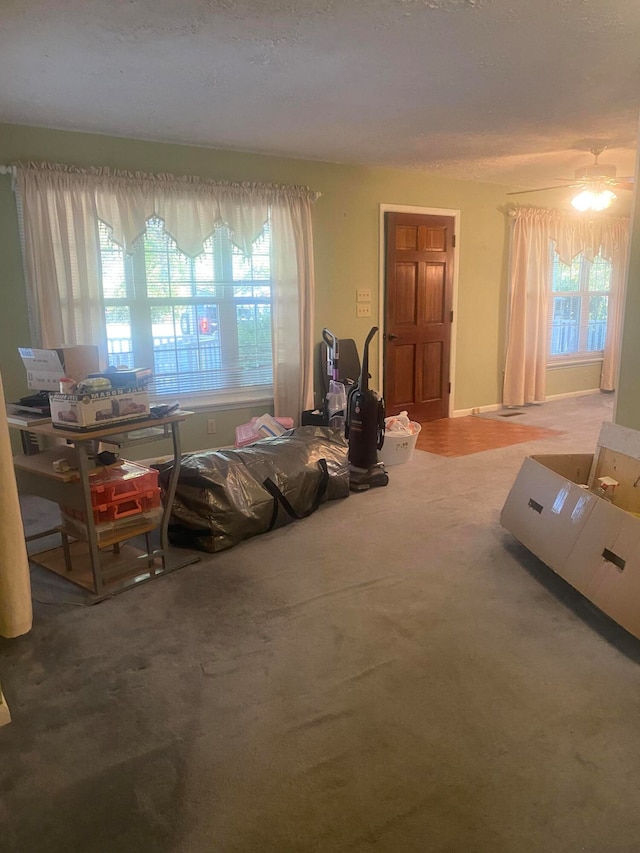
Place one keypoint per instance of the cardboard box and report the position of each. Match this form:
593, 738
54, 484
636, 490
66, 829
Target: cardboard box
546, 507
101, 409
46, 367
591, 542
135, 377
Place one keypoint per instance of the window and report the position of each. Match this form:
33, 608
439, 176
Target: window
578, 305
203, 324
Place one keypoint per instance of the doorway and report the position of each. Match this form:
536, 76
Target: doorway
418, 300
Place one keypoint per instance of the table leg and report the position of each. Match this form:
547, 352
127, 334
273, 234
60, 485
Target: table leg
66, 551
94, 551
170, 494
151, 561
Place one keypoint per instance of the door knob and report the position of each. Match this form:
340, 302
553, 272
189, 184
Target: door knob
393, 337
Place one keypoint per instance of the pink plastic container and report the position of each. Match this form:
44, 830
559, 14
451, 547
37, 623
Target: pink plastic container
247, 433
287, 423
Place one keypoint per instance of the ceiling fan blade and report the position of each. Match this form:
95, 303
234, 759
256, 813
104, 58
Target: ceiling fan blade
624, 184
539, 190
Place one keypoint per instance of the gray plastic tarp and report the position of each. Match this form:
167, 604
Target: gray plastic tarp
225, 496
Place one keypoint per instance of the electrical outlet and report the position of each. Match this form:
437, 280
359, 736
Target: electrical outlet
211, 426
363, 309
363, 295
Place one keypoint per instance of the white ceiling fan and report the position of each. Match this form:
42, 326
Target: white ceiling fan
596, 183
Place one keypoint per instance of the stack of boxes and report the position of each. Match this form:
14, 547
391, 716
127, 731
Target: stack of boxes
125, 497
98, 399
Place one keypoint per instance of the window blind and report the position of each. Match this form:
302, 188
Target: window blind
203, 324
578, 307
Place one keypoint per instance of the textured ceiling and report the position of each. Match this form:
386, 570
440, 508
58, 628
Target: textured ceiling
511, 91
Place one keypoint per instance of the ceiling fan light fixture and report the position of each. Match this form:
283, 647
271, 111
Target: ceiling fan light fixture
603, 199
593, 200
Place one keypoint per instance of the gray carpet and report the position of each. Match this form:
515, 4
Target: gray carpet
394, 673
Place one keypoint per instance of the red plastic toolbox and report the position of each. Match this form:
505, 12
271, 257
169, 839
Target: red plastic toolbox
127, 479
119, 508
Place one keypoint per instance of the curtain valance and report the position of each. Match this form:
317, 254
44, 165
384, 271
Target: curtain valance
573, 234
190, 207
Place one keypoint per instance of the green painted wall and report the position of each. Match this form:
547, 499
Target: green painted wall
567, 380
346, 235
628, 398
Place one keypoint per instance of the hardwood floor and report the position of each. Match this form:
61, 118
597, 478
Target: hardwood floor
473, 434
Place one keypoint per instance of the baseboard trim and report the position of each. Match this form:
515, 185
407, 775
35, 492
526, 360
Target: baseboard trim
567, 394
494, 407
476, 410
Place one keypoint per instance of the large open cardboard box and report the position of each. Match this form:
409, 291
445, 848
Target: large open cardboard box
592, 542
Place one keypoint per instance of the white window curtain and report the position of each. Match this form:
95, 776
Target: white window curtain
532, 231
61, 209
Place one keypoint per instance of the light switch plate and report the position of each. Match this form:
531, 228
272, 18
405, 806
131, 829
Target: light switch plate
363, 295
363, 309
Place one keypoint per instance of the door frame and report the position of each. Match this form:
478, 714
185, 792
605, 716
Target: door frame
422, 211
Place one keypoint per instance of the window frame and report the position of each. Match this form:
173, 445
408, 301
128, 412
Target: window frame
582, 356
140, 306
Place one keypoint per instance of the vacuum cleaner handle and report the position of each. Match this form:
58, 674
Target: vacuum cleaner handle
374, 329
363, 382
328, 337
332, 353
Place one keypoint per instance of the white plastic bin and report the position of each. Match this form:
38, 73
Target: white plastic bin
398, 447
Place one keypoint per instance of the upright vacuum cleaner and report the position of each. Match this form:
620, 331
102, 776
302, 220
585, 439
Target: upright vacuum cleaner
364, 429
335, 401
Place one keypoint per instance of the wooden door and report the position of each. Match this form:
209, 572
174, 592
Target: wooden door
418, 315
